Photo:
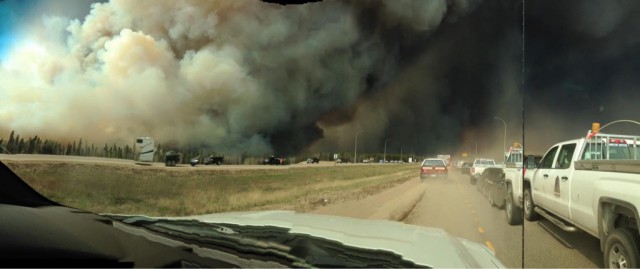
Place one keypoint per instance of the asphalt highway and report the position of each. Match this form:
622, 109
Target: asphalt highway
455, 205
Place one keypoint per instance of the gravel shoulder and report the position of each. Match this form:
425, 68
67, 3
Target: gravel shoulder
394, 203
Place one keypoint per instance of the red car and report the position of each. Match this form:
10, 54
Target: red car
433, 168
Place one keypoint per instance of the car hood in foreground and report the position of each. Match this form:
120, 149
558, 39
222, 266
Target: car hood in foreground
425, 246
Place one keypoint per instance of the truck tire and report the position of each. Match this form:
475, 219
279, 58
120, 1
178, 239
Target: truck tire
621, 249
514, 214
529, 206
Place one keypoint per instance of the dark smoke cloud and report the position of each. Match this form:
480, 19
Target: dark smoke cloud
246, 76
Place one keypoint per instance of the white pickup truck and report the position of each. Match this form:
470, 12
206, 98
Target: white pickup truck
514, 170
593, 184
478, 167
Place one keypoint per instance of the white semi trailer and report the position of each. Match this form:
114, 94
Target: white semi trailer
145, 147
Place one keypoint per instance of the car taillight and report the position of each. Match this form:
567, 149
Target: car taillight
473, 170
524, 170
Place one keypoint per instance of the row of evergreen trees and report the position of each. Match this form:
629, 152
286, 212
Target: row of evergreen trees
36, 145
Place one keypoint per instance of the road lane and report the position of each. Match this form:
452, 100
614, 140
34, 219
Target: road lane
457, 207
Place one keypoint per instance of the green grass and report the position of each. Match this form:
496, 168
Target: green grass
166, 192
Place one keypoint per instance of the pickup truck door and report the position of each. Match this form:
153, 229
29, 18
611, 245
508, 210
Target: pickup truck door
541, 176
558, 186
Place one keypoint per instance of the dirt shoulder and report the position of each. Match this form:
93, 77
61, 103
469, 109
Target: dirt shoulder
392, 204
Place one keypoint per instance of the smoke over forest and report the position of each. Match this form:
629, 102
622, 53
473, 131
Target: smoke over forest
257, 77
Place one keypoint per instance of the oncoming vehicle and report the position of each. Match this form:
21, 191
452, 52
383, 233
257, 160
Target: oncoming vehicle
272, 160
433, 168
211, 159
171, 158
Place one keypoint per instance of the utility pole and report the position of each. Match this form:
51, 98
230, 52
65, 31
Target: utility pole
385, 150
504, 144
355, 152
476, 150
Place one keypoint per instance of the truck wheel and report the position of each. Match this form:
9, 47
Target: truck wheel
529, 206
621, 249
514, 214
166, 163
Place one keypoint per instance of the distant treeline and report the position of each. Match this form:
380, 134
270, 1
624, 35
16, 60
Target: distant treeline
36, 145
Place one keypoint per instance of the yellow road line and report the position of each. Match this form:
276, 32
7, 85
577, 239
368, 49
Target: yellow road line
490, 246
480, 230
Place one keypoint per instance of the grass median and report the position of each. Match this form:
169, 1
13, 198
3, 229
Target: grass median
124, 189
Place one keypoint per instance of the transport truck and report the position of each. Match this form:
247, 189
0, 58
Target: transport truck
591, 184
145, 147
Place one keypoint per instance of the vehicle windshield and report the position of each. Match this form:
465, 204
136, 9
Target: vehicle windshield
433, 163
367, 110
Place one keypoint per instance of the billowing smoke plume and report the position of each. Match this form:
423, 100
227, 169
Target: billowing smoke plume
247, 76
236, 75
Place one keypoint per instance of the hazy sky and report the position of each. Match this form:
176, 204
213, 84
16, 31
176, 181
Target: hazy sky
248, 76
